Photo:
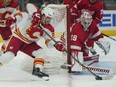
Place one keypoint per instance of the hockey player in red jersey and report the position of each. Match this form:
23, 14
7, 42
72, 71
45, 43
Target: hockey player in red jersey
27, 34
96, 9
9, 14
94, 6
71, 3
81, 31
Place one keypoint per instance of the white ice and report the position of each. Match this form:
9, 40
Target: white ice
12, 75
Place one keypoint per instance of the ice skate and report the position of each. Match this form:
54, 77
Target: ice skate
37, 72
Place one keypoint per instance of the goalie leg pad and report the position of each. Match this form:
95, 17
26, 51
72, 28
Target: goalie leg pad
90, 60
75, 66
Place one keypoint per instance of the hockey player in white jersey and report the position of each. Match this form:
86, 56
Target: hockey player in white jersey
9, 16
26, 36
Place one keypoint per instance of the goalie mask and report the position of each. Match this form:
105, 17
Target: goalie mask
47, 15
86, 20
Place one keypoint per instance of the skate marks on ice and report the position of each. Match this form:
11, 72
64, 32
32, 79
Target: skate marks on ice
13, 74
10, 73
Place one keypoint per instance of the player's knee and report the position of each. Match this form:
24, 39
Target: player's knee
40, 53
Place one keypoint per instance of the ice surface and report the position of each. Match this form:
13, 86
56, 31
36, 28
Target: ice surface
11, 75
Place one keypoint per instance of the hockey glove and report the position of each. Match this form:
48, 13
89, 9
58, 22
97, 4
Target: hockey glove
60, 46
104, 45
36, 18
10, 21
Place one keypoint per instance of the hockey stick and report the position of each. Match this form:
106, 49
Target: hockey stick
103, 70
109, 37
96, 69
85, 67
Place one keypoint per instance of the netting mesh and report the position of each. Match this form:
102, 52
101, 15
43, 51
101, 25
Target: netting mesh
60, 14
55, 58
59, 21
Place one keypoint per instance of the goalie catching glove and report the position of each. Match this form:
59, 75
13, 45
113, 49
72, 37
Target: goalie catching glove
60, 46
104, 45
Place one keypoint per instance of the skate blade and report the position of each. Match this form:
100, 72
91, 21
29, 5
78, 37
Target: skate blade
36, 78
45, 78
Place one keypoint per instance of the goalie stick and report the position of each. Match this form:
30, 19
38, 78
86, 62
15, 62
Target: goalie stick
109, 37
97, 77
92, 68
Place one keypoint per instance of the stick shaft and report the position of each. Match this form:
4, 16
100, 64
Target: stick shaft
109, 37
96, 76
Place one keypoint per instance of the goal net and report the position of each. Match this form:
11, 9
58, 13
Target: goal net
54, 59
61, 24
61, 18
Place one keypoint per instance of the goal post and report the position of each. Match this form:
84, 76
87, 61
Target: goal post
61, 23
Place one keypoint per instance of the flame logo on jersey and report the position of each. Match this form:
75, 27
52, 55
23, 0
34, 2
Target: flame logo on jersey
34, 33
5, 15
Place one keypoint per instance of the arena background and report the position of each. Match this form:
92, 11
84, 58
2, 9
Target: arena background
107, 25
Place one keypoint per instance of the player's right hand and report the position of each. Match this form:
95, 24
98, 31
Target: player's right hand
36, 18
60, 46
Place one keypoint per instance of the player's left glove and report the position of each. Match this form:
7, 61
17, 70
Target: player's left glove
60, 46
104, 45
10, 21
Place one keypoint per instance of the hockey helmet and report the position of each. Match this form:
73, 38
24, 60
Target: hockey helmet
48, 12
86, 20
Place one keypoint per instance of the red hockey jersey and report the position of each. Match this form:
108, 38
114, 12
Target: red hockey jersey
71, 3
79, 37
95, 9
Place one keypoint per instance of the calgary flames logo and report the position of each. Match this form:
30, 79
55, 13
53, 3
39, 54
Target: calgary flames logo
5, 15
34, 33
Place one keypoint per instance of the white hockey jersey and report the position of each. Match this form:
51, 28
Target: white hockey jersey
27, 33
12, 10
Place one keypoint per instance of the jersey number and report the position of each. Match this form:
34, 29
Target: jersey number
73, 37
